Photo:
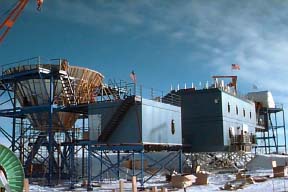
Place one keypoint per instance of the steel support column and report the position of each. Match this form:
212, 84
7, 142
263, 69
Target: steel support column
50, 134
71, 171
180, 162
83, 149
285, 141
118, 165
14, 119
133, 164
101, 165
142, 168
89, 171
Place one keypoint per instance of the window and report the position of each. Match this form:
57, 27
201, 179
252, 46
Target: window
244, 113
172, 127
236, 110
250, 115
228, 107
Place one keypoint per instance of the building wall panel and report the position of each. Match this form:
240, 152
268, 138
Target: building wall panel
146, 122
157, 123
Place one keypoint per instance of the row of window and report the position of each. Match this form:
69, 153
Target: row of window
237, 111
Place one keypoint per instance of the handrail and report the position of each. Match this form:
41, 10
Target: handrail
29, 61
125, 89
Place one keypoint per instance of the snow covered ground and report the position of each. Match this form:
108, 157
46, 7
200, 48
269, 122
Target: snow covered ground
215, 182
260, 166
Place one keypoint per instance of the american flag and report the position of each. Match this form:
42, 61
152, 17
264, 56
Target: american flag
133, 76
235, 66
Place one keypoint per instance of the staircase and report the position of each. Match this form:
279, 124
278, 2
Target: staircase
116, 118
68, 91
42, 137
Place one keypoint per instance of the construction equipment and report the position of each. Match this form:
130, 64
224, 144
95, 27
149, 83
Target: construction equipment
13, 14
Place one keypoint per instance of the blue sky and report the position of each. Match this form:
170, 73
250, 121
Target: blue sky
164, 42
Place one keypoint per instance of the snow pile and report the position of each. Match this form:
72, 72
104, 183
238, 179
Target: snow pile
265, 161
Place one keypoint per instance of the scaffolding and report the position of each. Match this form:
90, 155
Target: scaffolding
271, 131
46, 100
49, 116
124, 161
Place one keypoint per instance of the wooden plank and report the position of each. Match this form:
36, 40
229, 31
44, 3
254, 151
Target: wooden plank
154, 189
164, 189
274, 164
121, 186
134, 184
26, 185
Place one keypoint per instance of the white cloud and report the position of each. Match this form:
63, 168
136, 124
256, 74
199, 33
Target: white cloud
251, 33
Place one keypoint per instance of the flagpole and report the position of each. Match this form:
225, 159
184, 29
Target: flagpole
134, 88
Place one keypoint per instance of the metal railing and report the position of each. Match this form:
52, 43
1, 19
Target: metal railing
18, 64
159, 96
124, 89
29, 64
243, 139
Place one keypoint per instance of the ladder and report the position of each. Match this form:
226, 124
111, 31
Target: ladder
68, 91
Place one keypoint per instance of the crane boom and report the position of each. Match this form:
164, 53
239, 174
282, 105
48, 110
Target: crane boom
7, 24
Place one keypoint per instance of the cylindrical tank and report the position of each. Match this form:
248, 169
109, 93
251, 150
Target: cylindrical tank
72, 86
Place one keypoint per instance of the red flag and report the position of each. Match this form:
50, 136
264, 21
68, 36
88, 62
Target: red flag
133, 76
235, 66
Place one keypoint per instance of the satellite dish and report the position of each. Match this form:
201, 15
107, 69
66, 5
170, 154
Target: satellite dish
11, 171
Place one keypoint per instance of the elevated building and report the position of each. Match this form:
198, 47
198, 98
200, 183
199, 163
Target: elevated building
135, 120
215, 120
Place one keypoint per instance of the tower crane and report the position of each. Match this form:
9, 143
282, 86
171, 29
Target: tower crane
13, 14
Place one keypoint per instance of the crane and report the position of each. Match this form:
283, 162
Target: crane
14, 13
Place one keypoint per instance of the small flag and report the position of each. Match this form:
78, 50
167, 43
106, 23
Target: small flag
133, 76
235, 66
